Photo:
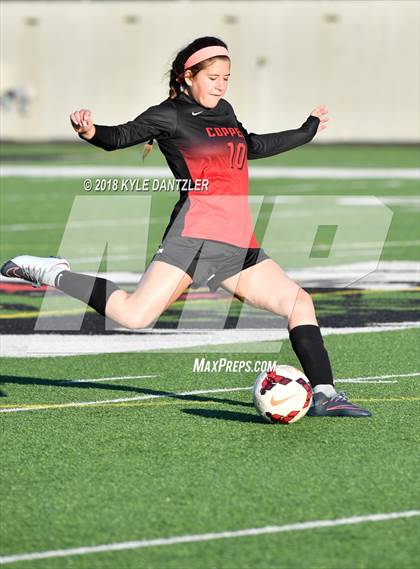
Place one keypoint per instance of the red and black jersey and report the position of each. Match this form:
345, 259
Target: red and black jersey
206, 144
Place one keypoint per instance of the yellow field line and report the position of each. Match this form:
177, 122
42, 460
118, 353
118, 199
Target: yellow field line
173, 400
187, 402
363, 291
369, 399
36, 313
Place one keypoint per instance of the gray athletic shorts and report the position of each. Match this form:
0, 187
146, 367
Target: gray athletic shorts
207, 262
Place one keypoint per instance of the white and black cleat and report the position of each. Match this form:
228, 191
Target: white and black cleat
37, 270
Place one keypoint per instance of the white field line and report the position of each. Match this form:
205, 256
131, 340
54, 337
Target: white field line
135, 222
196, 538
349, 200
148, 340
367, 245
271, 172
362, 381
80, 224
169, 394
174, 395
413, 201
413, 374
107, 378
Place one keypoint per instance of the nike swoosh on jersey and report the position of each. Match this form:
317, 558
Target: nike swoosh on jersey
195, 114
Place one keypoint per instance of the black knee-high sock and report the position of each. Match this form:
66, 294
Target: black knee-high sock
94, 291
308, 345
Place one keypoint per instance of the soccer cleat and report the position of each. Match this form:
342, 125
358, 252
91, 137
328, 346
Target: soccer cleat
336, 406
37, 270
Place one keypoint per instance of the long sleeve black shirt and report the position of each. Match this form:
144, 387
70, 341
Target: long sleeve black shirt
206, 144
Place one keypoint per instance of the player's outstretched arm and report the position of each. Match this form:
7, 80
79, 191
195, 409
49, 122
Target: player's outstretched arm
264, 145
159, 120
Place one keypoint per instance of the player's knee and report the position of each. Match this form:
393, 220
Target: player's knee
302, 303
285, 303
305, 299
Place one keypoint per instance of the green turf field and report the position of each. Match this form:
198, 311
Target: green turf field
81, 469
193, 464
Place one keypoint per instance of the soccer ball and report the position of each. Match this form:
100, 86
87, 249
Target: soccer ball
282, 395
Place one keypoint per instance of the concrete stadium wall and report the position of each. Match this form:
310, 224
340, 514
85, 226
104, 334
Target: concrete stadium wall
360, 59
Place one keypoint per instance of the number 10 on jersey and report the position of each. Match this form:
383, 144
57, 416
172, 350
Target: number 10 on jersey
237, 154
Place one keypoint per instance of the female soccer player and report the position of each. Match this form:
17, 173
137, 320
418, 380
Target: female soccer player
209, 239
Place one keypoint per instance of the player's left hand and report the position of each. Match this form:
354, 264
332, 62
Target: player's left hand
322, 113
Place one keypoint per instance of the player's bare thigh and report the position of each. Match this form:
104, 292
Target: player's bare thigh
266, 286
159, 287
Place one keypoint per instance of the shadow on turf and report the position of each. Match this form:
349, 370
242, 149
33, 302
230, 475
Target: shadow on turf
225, 415
112, 387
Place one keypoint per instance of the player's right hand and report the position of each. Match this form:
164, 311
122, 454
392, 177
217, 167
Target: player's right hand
322, 113
82, 121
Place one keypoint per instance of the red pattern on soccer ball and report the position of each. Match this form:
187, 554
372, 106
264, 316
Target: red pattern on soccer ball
270, 381
306, 385
282, 418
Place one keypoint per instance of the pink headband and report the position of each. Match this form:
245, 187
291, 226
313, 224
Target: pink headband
201, 55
